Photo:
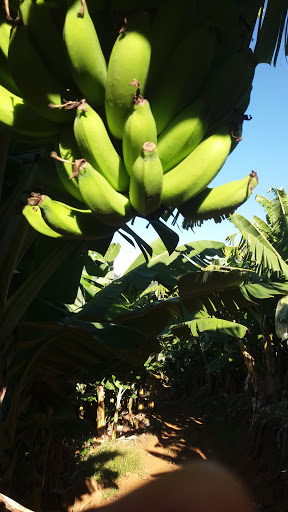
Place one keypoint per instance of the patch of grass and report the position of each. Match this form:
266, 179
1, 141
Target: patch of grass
111, 461
109, 493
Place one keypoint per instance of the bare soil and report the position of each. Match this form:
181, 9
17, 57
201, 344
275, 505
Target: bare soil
183, 431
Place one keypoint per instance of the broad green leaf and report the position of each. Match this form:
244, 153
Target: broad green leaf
207, 281
201, 325
162, 268
261, 225
260, 249
21, 299
271, 32
112, 252
153, 317
169, 238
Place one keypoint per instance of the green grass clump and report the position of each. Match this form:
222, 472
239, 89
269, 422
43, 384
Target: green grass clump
111, 461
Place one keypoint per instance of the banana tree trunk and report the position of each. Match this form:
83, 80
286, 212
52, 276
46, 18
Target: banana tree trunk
100, 412
250, 365
116, 415
151, 399
272, 381
141, 393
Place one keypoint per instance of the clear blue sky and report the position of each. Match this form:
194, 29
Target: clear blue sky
264, 149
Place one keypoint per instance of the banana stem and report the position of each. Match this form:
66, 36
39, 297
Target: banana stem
82, 9
7, 10
80, 163
69, 105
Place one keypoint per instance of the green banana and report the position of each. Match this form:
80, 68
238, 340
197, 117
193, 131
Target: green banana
88, 64
16, 115
34, 216
228, 84
37, 85
183, 78
182, 135
47, 180
146, 181
49, 43
68, 221
96, 147
5, 30
129, 60
55, 4
225, 19
168, 27
225, 96
219, 201
139, 127
110, 206
197, 170
68, 150
6, 79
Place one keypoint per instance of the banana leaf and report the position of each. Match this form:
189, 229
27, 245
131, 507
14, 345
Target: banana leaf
271, 32
200, 325
162, 267
259, 249
62, 353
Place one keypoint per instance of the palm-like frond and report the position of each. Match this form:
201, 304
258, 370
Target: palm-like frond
258, 250
278, 214
272, 31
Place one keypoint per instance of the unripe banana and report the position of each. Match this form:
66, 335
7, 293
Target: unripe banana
110, 206
219, 201
129, 59
70, 222
197, 170
68, 150
139, 127
182, 135
225, 96
228, 84
88, 64
18, 116
146, 180
179, 85
37, 85
168, 27
5, 30
47, 39
34, 216
6, 79
96, 147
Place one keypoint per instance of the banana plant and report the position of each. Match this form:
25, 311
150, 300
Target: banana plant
38, 276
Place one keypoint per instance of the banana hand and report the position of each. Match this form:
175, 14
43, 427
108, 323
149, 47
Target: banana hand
70, 222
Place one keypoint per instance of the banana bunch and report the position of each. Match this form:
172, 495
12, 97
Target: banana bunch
139, 115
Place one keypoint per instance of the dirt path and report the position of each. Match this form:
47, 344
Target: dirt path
184, 436
189, 433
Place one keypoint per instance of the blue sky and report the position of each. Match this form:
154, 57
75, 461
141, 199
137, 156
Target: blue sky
264, 149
